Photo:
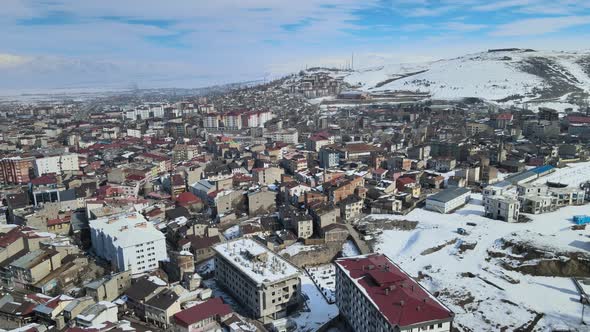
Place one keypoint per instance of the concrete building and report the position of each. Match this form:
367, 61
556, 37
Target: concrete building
289, 136
160, 308
350, 207
97, 314
502, 208
15, 170
202, 317
448, 200
329, 158
129, 242
262, 201
109, 288
264, 283
374, 294
56, 164
267, 176
33, 267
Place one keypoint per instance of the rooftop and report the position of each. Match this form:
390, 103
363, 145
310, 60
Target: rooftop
210, 308
449, 194
400, 299
256, 261
127, 229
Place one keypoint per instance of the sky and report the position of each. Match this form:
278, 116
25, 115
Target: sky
193, 43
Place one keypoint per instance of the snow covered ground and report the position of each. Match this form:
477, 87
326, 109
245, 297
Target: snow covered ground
572, 175
539, 78
350, 249
296, 248
434, 249
317, 312
324, 276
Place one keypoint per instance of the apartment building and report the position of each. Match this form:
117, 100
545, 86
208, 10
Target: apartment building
502, 208
15, 170
374, 294
266, 176
56, 164
129, 242
264, 283
289, 136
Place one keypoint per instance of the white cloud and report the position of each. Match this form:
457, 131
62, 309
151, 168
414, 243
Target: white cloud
539, 26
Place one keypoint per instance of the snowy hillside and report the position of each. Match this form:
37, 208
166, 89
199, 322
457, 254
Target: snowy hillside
488, 276
540, 78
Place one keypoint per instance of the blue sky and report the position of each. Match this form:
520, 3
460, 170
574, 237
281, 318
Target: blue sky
53, 43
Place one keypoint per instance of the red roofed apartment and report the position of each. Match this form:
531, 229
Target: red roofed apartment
202, 317
374, 294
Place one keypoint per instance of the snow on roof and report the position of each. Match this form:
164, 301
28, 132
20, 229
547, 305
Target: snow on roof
400, 299
127, 229
256, 261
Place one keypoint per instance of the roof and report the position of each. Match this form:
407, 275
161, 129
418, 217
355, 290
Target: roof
210, 308
578, 119
127, 229
256, 261
163, 300
399, 298
504, 116
449, 194
187, 198
141, 289
542, 169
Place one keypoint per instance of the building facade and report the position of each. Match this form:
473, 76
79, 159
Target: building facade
264, 283
129, 242
374, 294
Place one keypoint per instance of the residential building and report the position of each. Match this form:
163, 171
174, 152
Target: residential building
261, 201
375, 294
205, 316
97, 314
56, 164
15, 170
267, 176
128, 242
264, 283
502, 208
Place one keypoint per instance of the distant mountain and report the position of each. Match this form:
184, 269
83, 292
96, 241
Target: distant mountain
507, 76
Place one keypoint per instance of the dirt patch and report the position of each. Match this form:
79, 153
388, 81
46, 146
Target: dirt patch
464, 246
528, 259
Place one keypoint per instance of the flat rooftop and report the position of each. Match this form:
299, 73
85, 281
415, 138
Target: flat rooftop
256, 261
127, 229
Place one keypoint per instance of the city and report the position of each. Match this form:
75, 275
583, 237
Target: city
446, 195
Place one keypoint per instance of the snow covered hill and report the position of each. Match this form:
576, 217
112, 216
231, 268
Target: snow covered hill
508, 77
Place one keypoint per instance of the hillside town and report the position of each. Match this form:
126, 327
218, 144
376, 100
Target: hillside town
300, 204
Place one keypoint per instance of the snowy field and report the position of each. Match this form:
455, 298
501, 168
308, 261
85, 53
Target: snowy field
434, 249
572, 175
324, 276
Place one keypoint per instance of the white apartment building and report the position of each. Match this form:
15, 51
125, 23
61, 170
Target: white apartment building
374, 294
56, 164
264, 283
289, 136
129, 242
502, 208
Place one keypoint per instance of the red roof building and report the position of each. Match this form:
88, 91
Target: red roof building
205, 314
374, 286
